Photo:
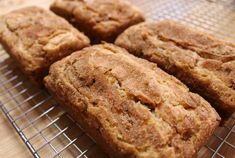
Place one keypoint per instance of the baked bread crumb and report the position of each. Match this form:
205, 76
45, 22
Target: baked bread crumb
36, 38
203, 62
101, 20
130, 106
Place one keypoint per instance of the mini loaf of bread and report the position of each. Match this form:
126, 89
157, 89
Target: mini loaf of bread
36, 38
129, 106
205, 63
99, 19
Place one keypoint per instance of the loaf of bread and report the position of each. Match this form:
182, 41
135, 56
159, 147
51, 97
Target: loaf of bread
204, 63
36, 38
129, 106
99, 19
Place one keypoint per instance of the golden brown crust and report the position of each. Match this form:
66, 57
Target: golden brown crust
131, 107
36, 38
204, 63
99, 19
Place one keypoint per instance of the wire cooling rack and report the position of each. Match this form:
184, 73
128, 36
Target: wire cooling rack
48, 131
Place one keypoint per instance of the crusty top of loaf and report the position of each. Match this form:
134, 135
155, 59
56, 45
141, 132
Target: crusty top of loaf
142, 109
37, 38
189, 49
103, 17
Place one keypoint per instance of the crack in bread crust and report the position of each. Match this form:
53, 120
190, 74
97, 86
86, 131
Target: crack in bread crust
134, 108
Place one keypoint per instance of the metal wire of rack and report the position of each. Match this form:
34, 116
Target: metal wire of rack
48, 131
